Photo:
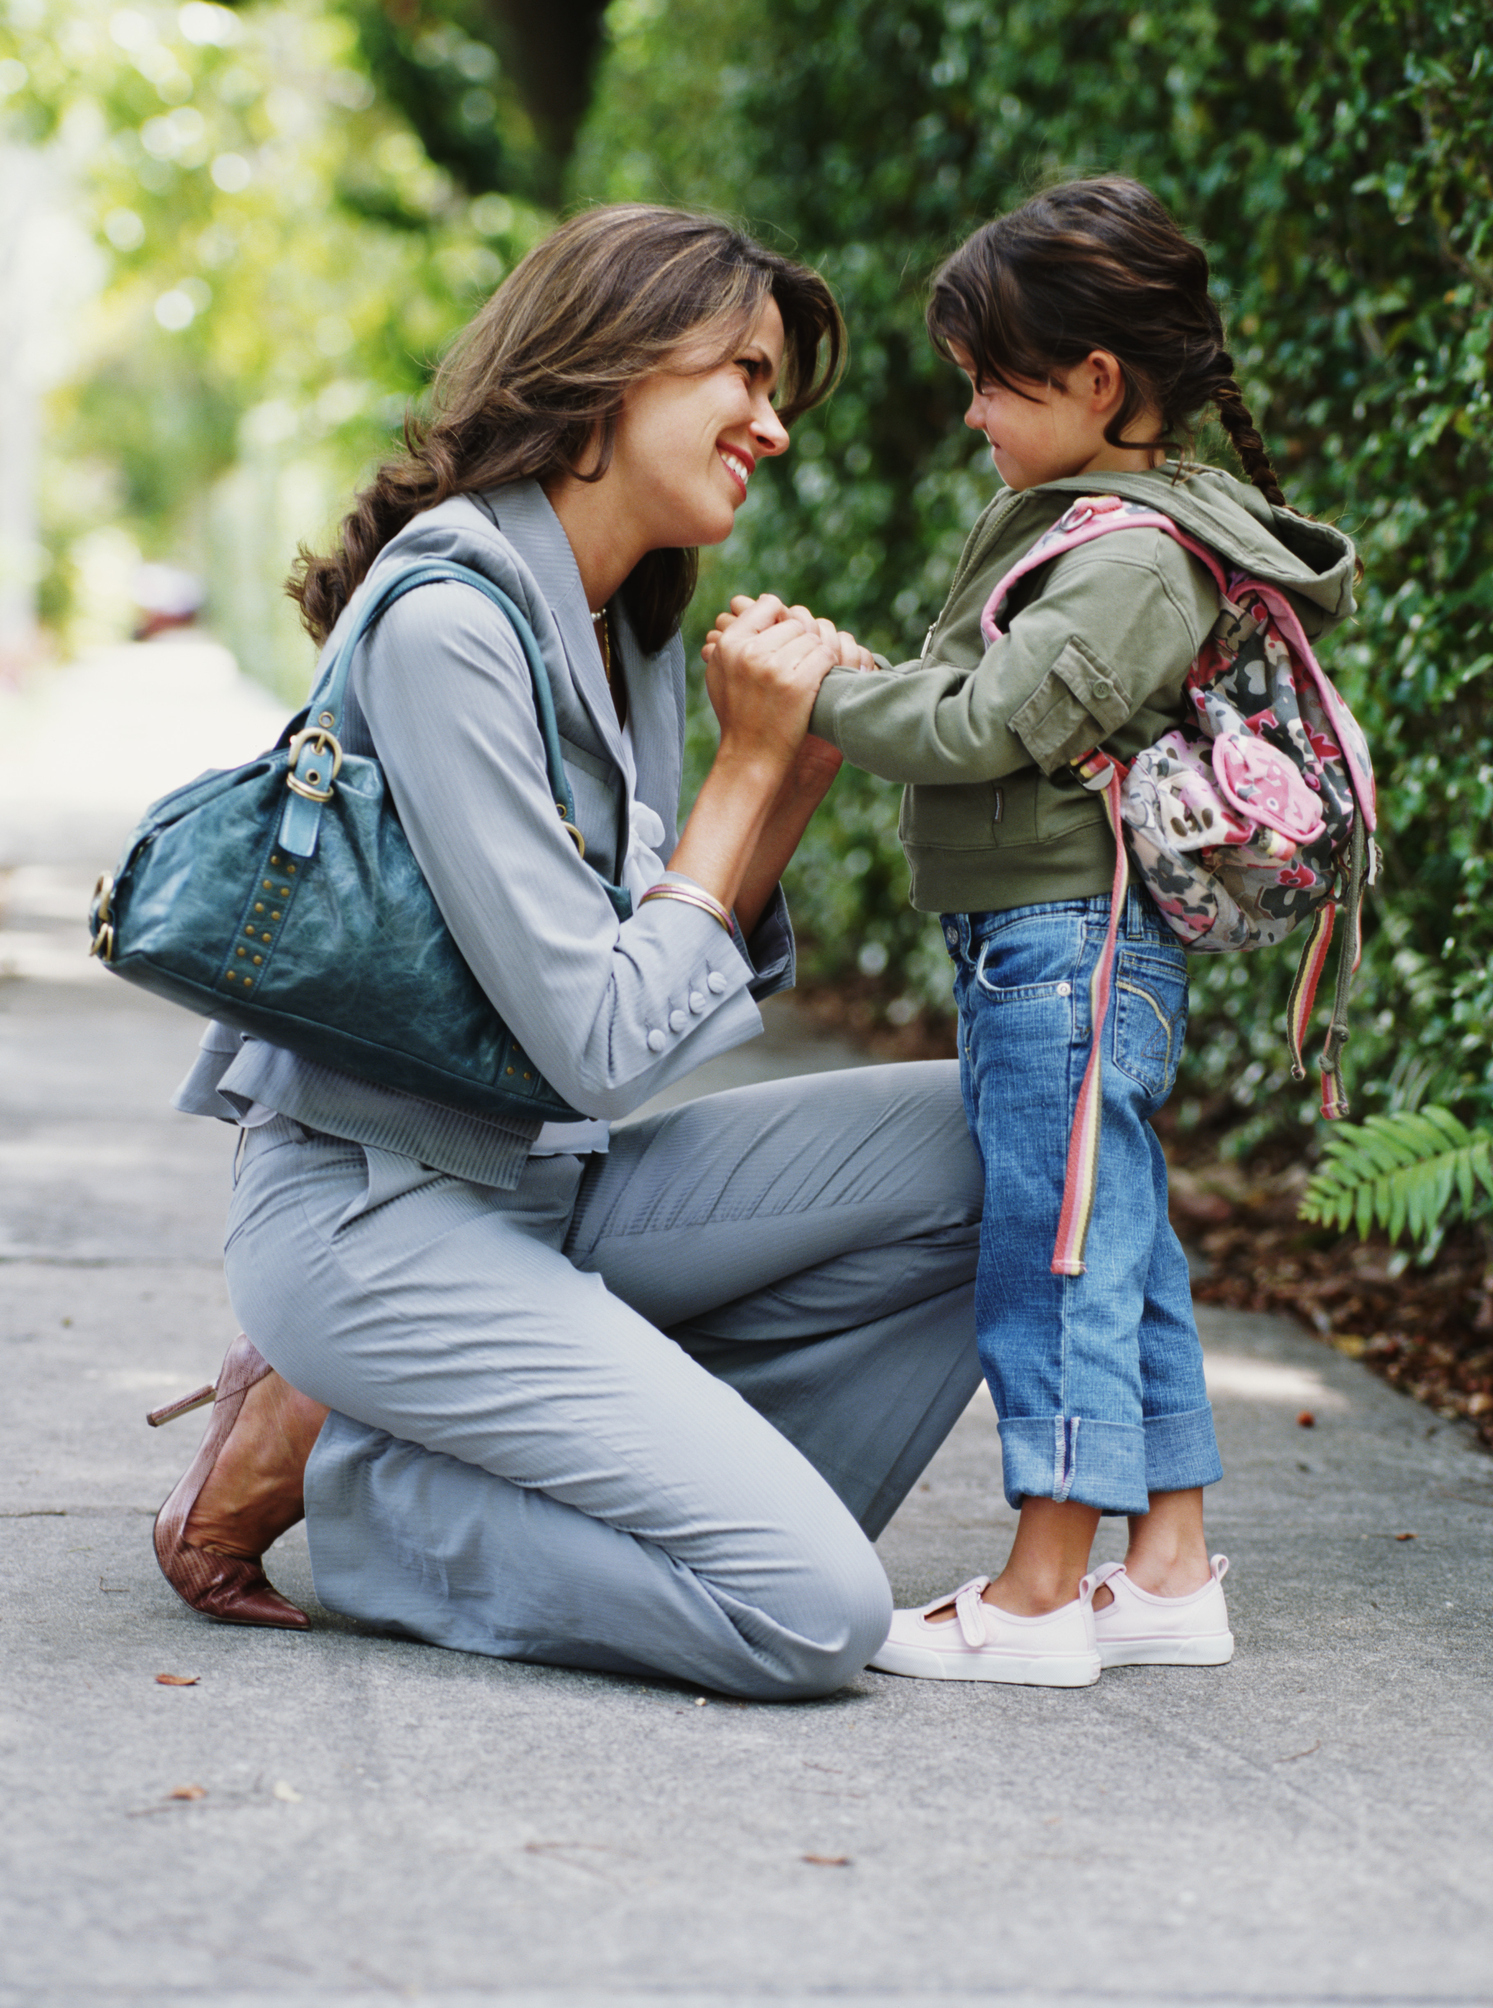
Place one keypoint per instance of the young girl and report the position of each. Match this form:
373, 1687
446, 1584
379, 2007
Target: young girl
1084, 324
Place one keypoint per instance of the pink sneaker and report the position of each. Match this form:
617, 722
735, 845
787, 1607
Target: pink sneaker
1138, 1629
981, 1642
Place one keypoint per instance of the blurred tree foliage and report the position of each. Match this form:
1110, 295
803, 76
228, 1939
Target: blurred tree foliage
279, 263
1335, 156
495, 88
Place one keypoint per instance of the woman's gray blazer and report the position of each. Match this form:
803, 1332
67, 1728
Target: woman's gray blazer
612, 1012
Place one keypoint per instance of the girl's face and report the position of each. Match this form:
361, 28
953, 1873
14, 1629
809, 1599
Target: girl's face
1056, 429
690, 437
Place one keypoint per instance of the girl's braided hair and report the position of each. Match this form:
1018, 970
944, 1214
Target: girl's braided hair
1099, 264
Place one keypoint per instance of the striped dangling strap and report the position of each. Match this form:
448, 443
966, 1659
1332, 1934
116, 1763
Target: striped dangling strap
1304, 988
1334, 1094
1308, 975
1083, 1144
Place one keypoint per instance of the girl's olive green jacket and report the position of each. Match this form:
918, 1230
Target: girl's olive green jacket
1096, 650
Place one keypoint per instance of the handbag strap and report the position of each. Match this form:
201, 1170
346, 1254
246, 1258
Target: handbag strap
316, 755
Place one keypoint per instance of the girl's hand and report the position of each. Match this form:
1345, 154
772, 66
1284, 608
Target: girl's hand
848, 651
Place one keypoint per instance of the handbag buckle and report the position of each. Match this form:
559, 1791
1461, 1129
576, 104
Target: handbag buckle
574, 834
309, 785
102, 944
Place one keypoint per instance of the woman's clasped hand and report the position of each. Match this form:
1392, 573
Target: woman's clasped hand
764, 663
753, 631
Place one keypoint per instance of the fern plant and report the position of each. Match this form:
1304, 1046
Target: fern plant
1418, 1169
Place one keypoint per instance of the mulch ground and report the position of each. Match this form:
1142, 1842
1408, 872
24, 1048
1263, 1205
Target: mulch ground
1426, 1329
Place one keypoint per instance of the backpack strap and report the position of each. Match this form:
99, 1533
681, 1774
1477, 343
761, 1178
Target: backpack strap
1090, 517
1100, 772
1304, 986
1309, 971
1349, 737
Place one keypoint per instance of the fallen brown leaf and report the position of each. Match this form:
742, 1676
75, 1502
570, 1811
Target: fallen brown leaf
1404, 1537
1306, 1420
1311, 1752
188, 1792
828, 1861
177, 1679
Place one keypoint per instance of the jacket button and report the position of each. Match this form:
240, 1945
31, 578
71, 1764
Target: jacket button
676, 1021
716, 981
697, 1001
656, 1042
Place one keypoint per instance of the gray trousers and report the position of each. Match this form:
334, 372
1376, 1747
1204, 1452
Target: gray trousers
645, 1412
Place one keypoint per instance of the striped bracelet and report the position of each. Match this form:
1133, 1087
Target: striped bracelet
692, 896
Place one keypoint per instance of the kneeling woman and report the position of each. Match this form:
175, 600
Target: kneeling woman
636, 1400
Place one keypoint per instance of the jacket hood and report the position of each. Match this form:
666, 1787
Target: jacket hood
1311, 561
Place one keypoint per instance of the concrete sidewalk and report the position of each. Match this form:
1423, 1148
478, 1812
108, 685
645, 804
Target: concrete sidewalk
379, 1821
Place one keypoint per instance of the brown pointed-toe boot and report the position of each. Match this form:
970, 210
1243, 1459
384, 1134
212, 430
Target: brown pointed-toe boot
217, 1580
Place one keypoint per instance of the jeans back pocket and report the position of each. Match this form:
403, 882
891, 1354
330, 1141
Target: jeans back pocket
1150, 1018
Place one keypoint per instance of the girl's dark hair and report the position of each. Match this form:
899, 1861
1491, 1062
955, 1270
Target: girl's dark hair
534, 386
1099, 264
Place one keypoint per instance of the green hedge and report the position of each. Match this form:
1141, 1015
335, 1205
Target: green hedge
1335, 158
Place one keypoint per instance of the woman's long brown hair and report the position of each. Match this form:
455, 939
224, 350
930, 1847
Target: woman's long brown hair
534, 386
1099, 264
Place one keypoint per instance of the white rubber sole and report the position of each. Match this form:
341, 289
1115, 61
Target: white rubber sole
1015, 1668
1209, 1649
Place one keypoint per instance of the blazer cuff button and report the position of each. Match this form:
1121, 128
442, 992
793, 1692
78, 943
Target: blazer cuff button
656, 1042
676, 1021
716, 981
697, 1001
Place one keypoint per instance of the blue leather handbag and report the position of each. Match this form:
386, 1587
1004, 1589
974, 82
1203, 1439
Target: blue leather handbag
282, 898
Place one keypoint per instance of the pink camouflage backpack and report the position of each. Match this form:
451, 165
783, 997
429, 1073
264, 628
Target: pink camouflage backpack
1245, 821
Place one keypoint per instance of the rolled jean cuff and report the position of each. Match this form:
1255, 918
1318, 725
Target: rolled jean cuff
1065, 1457
1182, 1451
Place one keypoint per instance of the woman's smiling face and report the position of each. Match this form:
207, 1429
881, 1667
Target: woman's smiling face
690, 436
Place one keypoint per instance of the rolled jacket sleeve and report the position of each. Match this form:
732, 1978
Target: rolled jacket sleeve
611, 1011
769, 949
1107, 630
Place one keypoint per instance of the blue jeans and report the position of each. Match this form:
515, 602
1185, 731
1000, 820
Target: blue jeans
1097, 1379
